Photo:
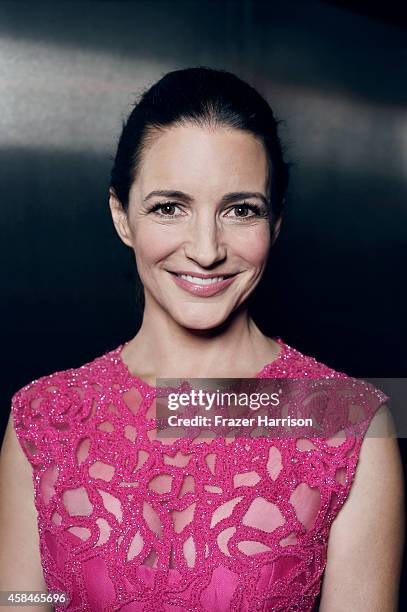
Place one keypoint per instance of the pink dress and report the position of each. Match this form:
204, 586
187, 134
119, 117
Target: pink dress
130, 523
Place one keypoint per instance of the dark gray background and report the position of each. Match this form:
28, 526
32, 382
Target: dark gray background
69, 73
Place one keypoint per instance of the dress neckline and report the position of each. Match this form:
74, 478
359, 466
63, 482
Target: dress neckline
261, 374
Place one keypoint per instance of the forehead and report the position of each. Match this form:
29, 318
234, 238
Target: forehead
202, 161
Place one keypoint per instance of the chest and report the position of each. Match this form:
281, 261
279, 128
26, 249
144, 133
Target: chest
179, 506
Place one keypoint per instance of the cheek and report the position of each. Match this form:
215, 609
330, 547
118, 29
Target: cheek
252, 244
152, 243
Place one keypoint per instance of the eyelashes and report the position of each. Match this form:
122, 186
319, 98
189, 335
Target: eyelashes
258, 212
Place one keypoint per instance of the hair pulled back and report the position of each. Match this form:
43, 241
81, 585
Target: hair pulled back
207, 98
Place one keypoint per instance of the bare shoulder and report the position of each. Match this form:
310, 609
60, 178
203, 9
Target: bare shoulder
367, 537
20, 564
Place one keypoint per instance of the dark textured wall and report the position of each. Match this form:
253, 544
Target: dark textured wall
69, 72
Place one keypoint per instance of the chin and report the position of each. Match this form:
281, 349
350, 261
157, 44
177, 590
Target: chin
200, 321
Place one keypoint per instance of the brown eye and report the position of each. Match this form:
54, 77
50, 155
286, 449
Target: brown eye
165, 209
241, 211
168, 209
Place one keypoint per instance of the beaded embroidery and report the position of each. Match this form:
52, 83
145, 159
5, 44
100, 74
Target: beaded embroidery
130, 523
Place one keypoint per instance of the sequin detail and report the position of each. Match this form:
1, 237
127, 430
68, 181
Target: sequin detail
130, 523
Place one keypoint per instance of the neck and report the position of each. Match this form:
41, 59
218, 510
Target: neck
163, 348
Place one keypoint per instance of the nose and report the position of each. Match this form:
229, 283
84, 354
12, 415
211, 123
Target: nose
204, 243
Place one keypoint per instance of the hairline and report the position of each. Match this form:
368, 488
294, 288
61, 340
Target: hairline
154, 131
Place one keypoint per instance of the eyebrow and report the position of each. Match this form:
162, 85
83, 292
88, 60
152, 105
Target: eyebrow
226, 199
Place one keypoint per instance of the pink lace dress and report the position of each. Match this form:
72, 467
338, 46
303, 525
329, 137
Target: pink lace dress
130, 523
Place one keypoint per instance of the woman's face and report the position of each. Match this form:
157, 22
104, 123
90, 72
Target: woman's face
197, 208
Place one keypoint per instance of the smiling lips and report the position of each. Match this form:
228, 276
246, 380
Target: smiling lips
202, 284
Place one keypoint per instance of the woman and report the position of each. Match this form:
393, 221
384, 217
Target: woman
128, 521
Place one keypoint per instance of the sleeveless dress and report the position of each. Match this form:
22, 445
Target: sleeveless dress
130, 523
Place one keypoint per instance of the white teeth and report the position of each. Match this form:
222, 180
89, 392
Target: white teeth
201, 281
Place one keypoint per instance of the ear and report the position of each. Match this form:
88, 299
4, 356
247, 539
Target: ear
120, 219
276, 230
